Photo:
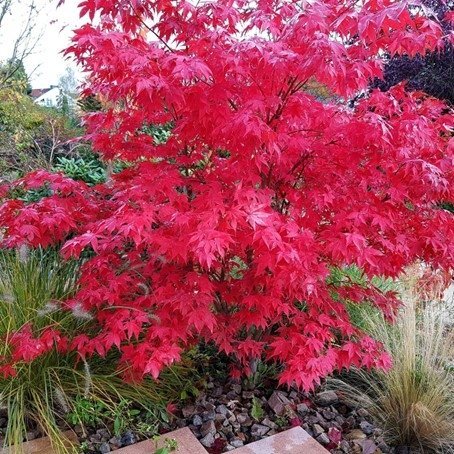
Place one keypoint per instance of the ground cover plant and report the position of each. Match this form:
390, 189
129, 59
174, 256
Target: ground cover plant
229, 228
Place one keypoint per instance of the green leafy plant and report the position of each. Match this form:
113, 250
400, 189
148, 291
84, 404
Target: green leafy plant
281, 421
87, 412
160, 133
210, 363
88, 169
263, 374
83, 447
123, 416
170, 445
257, 410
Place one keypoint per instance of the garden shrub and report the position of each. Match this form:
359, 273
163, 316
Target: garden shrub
227, 229
413, 402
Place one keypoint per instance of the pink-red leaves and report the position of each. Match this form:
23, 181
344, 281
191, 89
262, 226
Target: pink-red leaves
227, 231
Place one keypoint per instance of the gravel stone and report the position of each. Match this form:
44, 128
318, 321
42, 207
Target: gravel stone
323, 439
268, 423
302, 409
95, 438
188, 411
105, 434
367, 427
128, 439
207, 440
277, 402
318, 430
208, 428
32, 434
115, 442
222, 409
217, 392
259, 430
231, 395
344, 446
328, 415
248, 395
104, 448
326, 398
208, 415
244, 419
197, 420
236, 388
236, 443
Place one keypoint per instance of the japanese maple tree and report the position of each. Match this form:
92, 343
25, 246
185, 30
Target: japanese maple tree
230, 230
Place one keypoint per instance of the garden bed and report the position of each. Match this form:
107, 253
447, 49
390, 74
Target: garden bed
228, 415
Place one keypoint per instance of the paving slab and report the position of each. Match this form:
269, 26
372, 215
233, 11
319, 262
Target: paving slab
39, 446
186, 441
292, 441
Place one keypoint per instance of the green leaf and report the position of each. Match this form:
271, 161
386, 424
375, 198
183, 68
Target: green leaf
257, 411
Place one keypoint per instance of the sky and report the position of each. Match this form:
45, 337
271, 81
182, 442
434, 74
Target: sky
56, 25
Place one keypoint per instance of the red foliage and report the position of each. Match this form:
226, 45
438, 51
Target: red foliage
228, 231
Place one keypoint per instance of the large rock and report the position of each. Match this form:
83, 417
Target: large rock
278, 402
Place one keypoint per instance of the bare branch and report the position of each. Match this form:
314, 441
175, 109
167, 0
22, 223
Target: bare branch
24, 42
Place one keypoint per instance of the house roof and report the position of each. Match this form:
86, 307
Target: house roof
37, 92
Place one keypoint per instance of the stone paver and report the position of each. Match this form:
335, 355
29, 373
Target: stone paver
187, 444
38, 446
292, 441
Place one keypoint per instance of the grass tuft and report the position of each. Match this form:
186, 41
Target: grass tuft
414, 401
45, 392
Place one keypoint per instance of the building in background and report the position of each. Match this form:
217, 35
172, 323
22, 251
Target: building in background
48, 97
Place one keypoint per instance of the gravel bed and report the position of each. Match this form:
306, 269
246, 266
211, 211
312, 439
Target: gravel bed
226, 416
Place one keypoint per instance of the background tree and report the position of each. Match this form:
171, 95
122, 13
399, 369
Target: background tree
15, 77
23, 42
67, 100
